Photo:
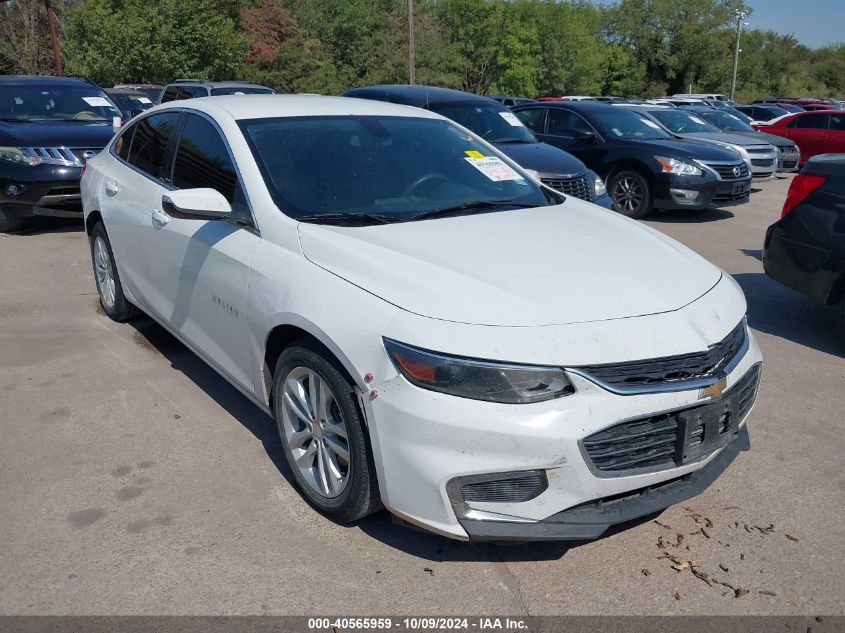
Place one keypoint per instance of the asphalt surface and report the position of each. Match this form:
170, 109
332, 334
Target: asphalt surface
134, 480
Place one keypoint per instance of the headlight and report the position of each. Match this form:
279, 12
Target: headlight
15, 155
599, 188
677, 167
478, 379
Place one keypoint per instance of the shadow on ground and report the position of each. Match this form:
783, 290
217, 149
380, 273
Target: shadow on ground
380, 526
689, 216
781, 312
42, 225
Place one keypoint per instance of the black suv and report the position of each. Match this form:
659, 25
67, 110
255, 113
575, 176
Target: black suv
49, 127
192, 88
644, 166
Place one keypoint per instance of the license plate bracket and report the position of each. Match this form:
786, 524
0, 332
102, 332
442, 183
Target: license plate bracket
739, 188
706, 429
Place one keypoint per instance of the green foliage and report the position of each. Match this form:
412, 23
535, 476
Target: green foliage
152, 41
524, 47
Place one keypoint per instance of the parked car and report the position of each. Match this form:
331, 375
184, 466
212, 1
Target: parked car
49, 127
761, 157
705, 96
805, 249
814, 132
646, 168
430, 328
762, 112
496, 124
789, 106
788, 153
511, 101
152, 91
611, 99
191, 88
130, 102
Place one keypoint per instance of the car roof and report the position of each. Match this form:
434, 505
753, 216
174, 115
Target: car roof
214, 84
45, 80
261, 106
419, 96
580, 106
124, 91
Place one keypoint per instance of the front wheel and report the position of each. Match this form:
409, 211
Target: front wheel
631, 194
323, 434
112, 299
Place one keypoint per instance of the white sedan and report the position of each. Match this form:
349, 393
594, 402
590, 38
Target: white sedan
432, 330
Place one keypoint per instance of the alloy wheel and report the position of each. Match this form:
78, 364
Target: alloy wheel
628, 194
104, 273
315, 431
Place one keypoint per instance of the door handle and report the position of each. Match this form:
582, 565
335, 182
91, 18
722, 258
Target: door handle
160, 218
111, 188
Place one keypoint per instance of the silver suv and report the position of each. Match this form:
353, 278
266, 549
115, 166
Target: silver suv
191, 88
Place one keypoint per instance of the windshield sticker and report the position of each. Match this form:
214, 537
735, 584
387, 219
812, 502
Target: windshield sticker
494, 168
697, 120
474, 154
144, 100
510, 117
651, 124
97, 102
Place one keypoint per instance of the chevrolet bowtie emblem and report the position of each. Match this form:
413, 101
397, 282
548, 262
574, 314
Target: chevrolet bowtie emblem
715, 390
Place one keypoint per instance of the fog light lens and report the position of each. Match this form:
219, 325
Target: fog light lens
686, 194
14, 190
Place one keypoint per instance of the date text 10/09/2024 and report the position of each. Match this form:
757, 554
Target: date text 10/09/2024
341, 625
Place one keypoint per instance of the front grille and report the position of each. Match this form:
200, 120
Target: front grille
726, 171
657, 371
512, 489
53, 155
653, 442
763, 162
80, 152
578, 186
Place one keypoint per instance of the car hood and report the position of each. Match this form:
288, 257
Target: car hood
569, 263
543, 158
55, 134
726, 137
771, 139
685, 148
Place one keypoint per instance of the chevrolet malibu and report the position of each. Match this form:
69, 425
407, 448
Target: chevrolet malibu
433, 330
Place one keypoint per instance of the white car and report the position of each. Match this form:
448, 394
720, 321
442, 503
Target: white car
432, 329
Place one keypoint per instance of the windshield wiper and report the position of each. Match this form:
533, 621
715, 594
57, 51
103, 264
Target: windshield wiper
352, 218
467, 208
510, 140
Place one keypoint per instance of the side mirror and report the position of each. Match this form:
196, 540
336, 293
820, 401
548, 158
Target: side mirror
196, 204
587, 137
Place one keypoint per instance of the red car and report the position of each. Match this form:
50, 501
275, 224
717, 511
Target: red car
819, 132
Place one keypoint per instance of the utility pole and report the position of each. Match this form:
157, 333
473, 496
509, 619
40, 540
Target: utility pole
54, 37
740, 16
412, 71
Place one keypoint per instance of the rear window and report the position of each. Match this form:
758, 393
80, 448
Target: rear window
241, 90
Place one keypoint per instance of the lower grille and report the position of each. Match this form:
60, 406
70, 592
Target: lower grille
763, 162
730, 171
578, 187
789, 164
514, 489
654, 442
731, 197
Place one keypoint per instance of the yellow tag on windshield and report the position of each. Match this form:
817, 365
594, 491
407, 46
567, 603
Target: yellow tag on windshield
473, 154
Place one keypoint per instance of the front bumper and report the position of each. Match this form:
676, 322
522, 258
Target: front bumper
692, 192
41, 190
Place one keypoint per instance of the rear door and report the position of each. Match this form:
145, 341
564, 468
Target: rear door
809, 131
199, 273
563, 128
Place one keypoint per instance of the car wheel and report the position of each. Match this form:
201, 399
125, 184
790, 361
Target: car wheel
112, 299
631, 194
323, 434
9, 221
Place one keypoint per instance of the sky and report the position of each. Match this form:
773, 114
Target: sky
814, 23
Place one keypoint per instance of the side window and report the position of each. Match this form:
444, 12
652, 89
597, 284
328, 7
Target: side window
170, 94
203, 161
812, 121
837, 122
149, 143
565, 123
532, 119
123, 142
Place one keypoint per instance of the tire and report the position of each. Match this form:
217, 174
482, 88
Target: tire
307, 368
631, 193
107, 280
8, 220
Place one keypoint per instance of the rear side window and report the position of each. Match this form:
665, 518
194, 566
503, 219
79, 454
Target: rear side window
202, 160
812, 121
566, 123
171, 94
532, 119
150, 140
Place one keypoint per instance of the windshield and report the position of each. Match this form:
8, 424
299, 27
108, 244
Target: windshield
625, 124
241, 90
132, 104
727, 122
29, 102
681, 122
495, 124
392, 168
740, 115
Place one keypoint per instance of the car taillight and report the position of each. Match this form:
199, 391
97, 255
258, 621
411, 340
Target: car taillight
84, 167
800, 189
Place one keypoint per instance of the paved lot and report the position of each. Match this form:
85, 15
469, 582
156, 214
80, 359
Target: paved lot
134, 480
